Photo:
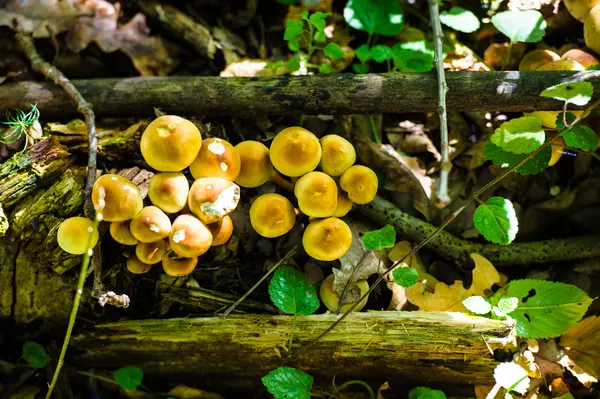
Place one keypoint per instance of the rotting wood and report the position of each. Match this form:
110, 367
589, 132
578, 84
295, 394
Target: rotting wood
458, 250
423, 347
321, 94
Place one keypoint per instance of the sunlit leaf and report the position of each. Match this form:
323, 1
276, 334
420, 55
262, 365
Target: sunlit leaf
383, 17
477, 304
496, 220
520, 135
460, 19
521, 26
578, 93
507, 159
512, 377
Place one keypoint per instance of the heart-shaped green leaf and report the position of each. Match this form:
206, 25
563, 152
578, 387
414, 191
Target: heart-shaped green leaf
521, 26
578, 93
460, 19
292, 293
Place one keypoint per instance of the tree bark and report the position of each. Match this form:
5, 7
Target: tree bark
321, 94
233, 353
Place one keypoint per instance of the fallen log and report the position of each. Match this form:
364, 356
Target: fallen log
420, 347
321, 94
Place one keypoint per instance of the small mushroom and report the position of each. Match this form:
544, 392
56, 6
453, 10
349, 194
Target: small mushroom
338, 154
585, 59
179, 267
136, 266
189, 237
170, 143
317, 194
150, 225
295, 151
272, 215
256, 167
151, 253
591, 28
221, 231
211, 198
344, 205
169, 191
332, 301
118, 199
121, 233
74, 235
360, 183
327, 239
580, 9
217, 158
536, 58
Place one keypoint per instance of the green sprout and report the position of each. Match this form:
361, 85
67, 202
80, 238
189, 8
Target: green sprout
19, 123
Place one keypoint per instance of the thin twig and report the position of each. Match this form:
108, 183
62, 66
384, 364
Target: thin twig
449, 220
438, 38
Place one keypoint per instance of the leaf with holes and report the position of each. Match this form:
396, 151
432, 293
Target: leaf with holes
506, 159
546, 309
496, 220
477, 304
512, 377
288, 383
129, 377
578, 136
292, 293
460, 19
380, 239
520, 135
521, 26
382, 17
333, 51
34, 354
578, 93
405, 276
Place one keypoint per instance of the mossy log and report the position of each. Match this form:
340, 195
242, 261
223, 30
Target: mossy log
321, 94
420, 347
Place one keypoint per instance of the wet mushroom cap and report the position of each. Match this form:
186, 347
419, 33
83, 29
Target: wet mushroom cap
189, 237
151, 253
217, 158
295, 151
272, 215
332, 301
211, 198
338, 154
344, 205
585, 59
179, 267
221, 231
327, 239
317, 194
536, 58
135, 266
150, 225
360, 183
121, 233
170, 143
74, 235
256, 167
118, 199
169, 191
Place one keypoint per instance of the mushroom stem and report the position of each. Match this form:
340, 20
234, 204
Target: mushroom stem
282, 182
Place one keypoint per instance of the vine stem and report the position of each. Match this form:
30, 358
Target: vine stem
449, 220
438, 38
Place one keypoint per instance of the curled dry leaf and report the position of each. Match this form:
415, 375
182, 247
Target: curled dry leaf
582, 343
411, 138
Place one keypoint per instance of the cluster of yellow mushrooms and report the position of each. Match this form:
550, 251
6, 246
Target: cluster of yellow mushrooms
183, 222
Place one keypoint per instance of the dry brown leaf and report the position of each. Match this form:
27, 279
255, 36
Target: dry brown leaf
412, 139
245, 68
148, 54
384, 387
582, 344
449, 298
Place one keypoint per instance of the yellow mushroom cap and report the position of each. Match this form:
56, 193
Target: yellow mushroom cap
591, 29
327, 239
74, 234
580, 9
221, 231
344, 205
150, 225
217, 158
118, 199
295, 151
537, 58
170, 143
169, 191
179, 267
256, 167
211, 198
360, 183
272, 215
136, 266
332, 301
317, 194
151, 253
580, 56
189, 237
121, 233
338, 154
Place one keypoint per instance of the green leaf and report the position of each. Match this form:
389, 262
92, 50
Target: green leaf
382, 17
546, 309
325, 68
293, 64
595, 67
511, 377
507, 159
333, 51
129, 377
292, 293
35, 355
320, 37
405, 276
520, 135
363, 53
578, 93
288, 383
460, 19
425, 393
360, 68
288, 1
496, 220
508, 304
477, 304
294, 28
415, 56
521, 26
380, 239
578, 136
294, 44
317, 19
381, 53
